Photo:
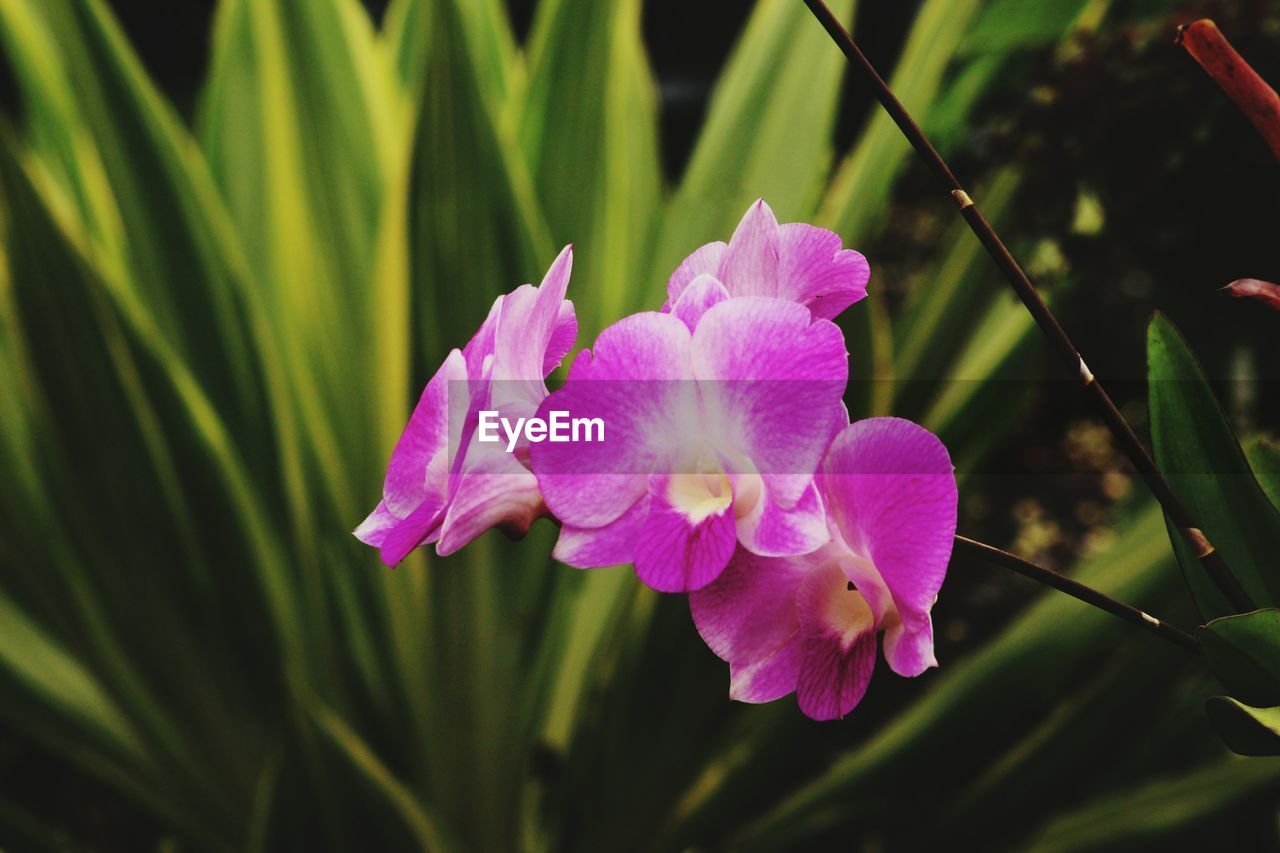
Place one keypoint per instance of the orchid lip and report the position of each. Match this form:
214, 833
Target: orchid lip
700, 487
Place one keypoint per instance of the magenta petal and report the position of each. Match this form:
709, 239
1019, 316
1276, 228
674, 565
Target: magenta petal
375, 529
840, 644
702, 293
479, 350
891, 490
834, 679
633, 380
410, 533
772, 530
772, 382
424, 436
679, 553
814, 270
495, 490
563, 336
750, 264
747, 616
612, 544
531, 323
705, 259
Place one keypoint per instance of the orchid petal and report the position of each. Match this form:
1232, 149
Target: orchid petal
747, 616
705, 259
684, 547
815, 271
410, 533
563, 336
495, 490
840, 647
424, 436
772, 530
612, 544
891, 490
750, 264
633, 381
528, 321
702, 293
772, 383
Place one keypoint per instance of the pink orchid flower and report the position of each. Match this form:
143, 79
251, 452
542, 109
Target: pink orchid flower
716, 420
442, 485
795, 261
809, 624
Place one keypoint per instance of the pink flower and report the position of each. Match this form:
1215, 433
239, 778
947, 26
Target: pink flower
715, 424
795, 261
434, 495
809, 624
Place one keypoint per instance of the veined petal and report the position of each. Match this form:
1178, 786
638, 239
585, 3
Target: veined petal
689, 534
705, 259
612, 544
771, 382
750, 264
772, 530
375, 529
834, 679
563, 336
840, 644
425, 436
410, 533
891, 490
747, 616
702, 293
635, 381
527, 323
815, 271
494, 490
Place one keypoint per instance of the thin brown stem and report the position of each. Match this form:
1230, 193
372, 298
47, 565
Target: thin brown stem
1071, 359
1077, 590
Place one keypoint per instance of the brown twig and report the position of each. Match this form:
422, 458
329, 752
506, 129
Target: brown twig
1257, 100
1209, 558
1077, 590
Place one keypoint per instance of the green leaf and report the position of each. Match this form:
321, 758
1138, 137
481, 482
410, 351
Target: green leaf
117, 154
768, 133
1157, 810
365, 762
1245, 730
1007, 25
1264, 457
589, 131
29, 657
1197, 451
476, 226
1244, 653
310, 216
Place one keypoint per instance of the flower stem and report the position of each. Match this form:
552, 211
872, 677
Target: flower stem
1077, 590
1209, 558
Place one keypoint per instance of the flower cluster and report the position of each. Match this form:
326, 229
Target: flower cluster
729, 470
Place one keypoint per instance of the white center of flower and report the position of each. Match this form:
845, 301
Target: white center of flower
701, 490
846, 610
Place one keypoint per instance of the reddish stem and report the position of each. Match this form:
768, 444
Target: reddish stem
1258, 101
1251, 288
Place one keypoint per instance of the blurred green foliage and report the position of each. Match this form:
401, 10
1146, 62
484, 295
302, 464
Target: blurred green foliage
210, 336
